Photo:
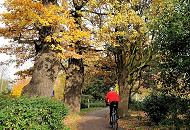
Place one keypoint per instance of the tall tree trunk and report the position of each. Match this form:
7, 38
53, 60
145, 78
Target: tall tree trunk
74, 82
124, 95
46, 68
122, 76
75, 71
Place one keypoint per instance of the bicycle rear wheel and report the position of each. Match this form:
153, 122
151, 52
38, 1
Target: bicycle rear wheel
114, 121
115, 125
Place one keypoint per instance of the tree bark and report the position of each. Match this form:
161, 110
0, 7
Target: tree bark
124, 95
122, 78
46, 68
75, 71
74, 83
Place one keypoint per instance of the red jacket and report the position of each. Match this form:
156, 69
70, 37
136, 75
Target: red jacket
112, 96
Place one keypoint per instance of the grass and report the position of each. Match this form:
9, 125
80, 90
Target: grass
87, 110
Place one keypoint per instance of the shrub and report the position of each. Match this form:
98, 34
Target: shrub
167, 110
156, 107
34, 113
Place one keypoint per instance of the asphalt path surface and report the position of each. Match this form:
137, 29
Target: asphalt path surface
96, 120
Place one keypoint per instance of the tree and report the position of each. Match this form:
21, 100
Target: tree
120, 25
125, 33
97, 88
173, 45
48, 32
52, 31
75, 69
45, 31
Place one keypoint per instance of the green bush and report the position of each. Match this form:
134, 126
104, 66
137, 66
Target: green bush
167, 110
31, 113
156, 107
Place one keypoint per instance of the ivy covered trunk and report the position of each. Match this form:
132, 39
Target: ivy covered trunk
46, 68
74, 83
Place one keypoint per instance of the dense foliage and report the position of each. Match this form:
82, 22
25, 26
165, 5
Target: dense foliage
136, 105
167, 110
97, 89
173, 47
170, 68
94, 93
34, 113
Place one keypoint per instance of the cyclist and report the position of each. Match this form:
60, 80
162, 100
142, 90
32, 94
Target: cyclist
112, 99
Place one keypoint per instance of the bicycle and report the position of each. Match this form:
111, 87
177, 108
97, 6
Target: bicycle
114, 119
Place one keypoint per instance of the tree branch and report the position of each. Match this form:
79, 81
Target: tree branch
90, 11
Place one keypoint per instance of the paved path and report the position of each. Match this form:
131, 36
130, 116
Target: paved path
97, 120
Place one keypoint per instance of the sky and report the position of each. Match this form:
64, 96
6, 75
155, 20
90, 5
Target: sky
11, 69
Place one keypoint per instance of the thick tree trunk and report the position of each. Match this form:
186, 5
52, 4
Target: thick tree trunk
46, 68
124, 95
75, 71
74, 82
47, 65
122, 75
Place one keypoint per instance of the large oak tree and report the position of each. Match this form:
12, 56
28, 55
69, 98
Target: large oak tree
43, 30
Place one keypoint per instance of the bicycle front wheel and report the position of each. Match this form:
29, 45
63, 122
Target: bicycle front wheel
115, 125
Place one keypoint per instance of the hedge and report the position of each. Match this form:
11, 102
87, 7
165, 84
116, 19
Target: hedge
31, 113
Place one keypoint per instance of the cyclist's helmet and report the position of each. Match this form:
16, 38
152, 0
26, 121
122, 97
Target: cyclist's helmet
111, 89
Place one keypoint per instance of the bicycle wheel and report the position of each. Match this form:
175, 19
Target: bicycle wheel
115, 124
115, 127
114, 120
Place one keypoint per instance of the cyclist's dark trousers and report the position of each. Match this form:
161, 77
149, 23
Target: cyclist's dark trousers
114, 105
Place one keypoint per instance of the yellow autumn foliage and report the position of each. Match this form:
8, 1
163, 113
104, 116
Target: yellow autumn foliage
25, 18
18, 86
59, 86
122, 21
